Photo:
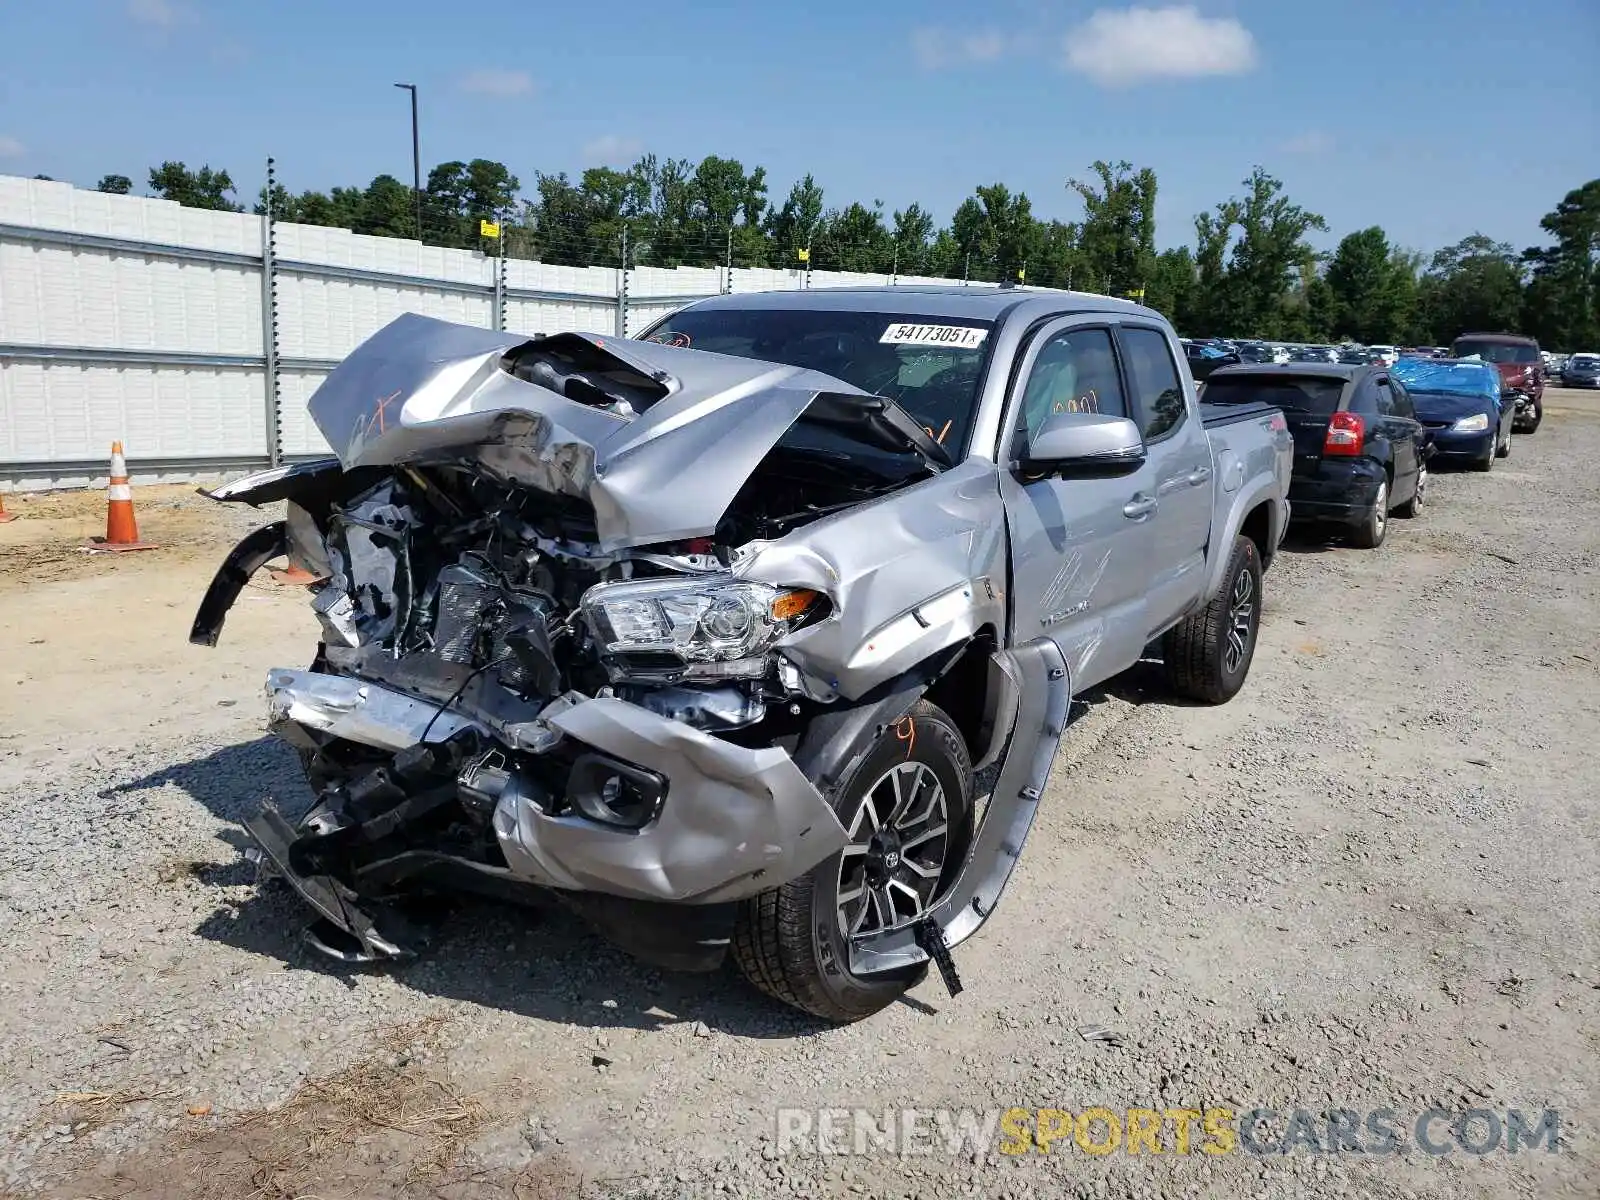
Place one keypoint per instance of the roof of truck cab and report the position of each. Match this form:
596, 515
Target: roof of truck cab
951, 301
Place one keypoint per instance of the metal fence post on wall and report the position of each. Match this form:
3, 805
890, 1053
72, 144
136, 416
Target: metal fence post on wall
269, 322
499, 317
622, 288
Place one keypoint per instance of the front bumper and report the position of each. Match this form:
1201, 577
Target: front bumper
1463, 447
734, 821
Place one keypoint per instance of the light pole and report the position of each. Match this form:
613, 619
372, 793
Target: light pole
416, 155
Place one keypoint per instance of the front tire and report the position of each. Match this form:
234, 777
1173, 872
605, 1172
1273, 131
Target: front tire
1208, 654
1504, 449
1531, 425
907, 805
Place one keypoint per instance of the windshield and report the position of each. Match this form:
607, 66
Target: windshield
1495, 352
1452, 378
1584, 360
930, 366
1316, 395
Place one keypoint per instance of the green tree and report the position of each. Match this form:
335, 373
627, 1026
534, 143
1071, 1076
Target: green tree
459, 195
204, 188
116, 185
1371, 288
1474, 285
1562, 304
913, 240
1271, 253
1172, 285
1117, 240
793, 225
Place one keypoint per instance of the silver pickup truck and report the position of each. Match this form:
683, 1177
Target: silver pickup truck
710, 635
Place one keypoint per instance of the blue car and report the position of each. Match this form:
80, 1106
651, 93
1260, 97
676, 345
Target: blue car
1459, 402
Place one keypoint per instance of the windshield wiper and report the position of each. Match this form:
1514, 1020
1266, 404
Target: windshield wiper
877, 421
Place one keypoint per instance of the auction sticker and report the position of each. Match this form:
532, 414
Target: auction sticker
955, 337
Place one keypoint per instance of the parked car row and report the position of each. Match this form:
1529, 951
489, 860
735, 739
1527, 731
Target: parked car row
1365, 434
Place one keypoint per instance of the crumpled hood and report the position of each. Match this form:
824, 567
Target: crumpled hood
423, 390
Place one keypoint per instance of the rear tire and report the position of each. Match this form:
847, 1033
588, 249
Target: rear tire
1208, 655
1370, 533
791, 942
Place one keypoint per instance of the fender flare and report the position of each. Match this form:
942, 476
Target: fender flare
1261, 488
249, 556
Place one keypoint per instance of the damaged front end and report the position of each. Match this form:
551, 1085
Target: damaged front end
576, 643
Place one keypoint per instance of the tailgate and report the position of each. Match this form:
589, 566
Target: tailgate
1310, 433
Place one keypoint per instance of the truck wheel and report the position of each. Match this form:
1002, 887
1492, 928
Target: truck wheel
1208, 655
1370, 533
907, 805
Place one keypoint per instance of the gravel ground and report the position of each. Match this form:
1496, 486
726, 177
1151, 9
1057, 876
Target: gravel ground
1366, 883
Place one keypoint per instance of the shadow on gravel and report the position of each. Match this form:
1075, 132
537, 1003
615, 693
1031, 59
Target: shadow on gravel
540, 962
1143, 683
233, 782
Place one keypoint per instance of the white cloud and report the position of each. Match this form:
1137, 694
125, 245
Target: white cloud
1120, 47
611, 150
1313, 141
503, 85
160, 14
11, 148
938, 48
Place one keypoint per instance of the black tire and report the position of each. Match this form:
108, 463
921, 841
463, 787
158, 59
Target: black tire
1503, 450
1487, 462
1202, 663
789, 943
1531, 425
1413, 506
1370, 533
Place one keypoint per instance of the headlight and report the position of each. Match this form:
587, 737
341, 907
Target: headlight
693, 627
1476, 423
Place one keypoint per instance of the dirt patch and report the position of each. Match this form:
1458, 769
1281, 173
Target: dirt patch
397, 1104
49, 538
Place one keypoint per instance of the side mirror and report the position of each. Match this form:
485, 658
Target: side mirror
1084, 441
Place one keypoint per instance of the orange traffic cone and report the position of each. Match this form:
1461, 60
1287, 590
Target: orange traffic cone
4, 515
122, 530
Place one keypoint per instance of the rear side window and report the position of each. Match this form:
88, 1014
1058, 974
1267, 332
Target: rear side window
1310, 395
1402, 400
1155, 381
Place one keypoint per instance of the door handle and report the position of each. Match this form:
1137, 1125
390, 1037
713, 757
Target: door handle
1199, 475
1139, 507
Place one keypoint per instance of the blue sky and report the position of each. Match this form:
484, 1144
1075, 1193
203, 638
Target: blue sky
1434, 120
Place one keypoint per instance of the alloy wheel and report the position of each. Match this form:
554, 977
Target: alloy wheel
1241, 615
899, 839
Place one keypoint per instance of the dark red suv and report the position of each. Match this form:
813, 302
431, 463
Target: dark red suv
1521, 368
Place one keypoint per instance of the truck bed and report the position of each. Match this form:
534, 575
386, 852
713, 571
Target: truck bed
1213, 415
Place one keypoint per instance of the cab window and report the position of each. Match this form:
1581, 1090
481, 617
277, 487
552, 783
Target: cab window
1074, 371
1155, 379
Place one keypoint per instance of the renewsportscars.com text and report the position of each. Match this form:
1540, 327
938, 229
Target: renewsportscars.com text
1182, 1131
